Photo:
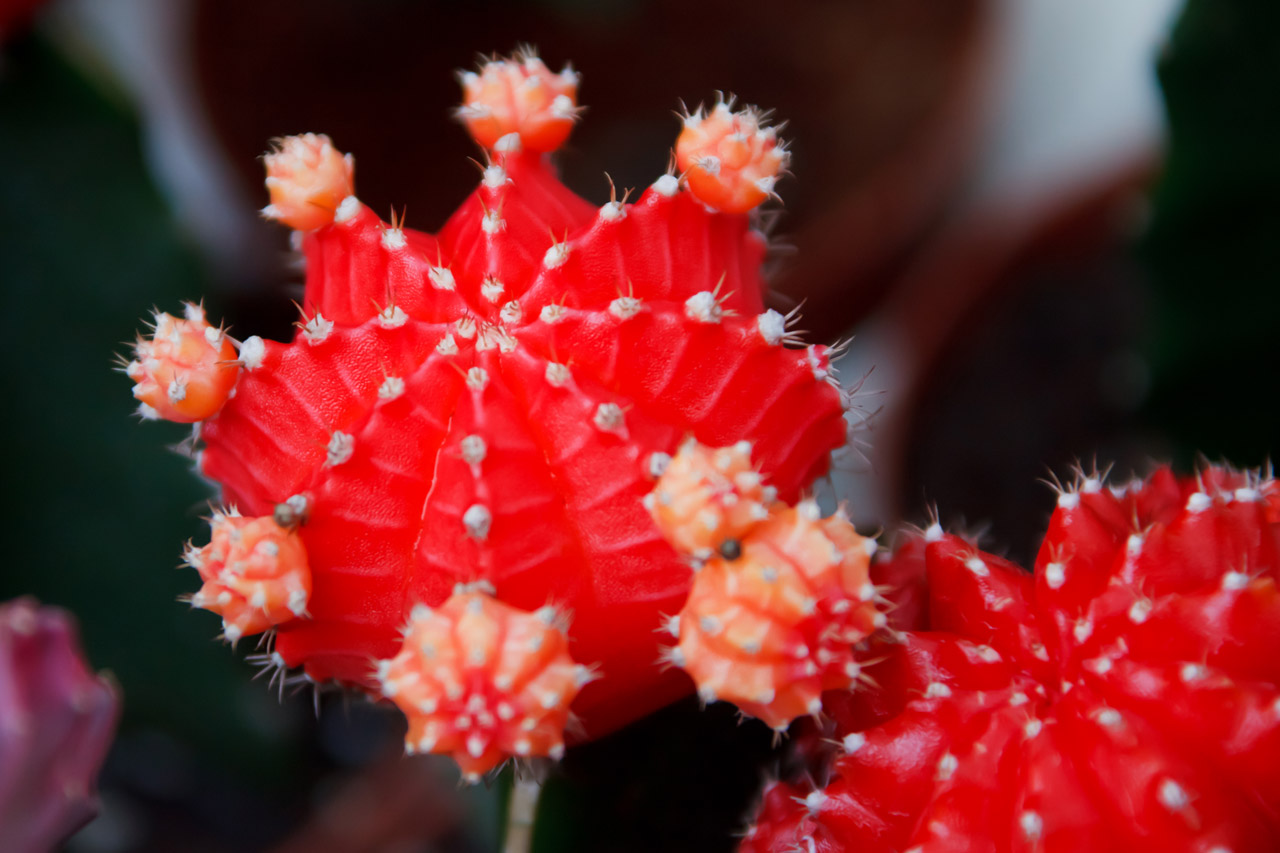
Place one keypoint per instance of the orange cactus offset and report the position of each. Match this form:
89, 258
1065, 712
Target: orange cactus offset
771, 620
730, 160
483, 681
519, 103
707, 497
308, 179
854, 571
186, 371
255, 574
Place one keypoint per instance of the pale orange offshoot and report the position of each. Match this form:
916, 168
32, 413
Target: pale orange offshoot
185, 371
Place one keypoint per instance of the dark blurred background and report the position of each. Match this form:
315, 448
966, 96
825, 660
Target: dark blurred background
1052, 226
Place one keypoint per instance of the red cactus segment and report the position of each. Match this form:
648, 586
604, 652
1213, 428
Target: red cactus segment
255, 574
707, 496
722, 380
518, 103
781, 823
58, 721
510, 231
986, 598
308, 179
1184, 700
186, 371
1157, 721
365, 521
902, 578
730, 160
667, 247
483, 681
274, 441
362, 268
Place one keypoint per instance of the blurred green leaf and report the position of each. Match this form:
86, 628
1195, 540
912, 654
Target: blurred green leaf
98, 510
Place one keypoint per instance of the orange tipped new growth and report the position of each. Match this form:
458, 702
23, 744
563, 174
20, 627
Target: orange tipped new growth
483, 681
708, 496
307, 178
186, 371
730, 160
518, 103
255, 574
771, 620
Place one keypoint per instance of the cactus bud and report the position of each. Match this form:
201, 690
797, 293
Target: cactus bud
255, 574
519, 96
774, 611
730, 160
307, 178
708, 496
773, 629
484, 681
186, 371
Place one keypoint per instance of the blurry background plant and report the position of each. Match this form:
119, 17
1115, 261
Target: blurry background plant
980, 192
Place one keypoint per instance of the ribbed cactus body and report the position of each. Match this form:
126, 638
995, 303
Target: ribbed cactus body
1125, 695
491, 403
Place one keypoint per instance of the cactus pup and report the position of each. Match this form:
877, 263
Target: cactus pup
782, 596
469, 419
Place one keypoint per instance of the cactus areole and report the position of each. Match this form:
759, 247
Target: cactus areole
489, 404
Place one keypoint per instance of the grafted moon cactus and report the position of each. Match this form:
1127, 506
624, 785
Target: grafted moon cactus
490, 403
1125, 695
57, 719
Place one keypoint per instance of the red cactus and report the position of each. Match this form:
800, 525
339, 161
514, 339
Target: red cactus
1126, 694
491, 402
56, 723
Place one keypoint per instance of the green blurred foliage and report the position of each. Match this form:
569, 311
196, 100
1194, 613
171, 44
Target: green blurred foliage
98, 510
1213, 248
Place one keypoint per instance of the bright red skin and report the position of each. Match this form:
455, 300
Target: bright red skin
386, 530
1092, 785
